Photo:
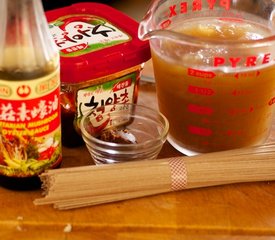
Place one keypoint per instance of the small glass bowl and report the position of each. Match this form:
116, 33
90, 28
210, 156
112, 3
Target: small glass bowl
123, 132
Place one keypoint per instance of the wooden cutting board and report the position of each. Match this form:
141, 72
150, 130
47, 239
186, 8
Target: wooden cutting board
245, 211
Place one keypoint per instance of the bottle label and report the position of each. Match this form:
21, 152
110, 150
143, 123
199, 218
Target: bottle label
30, 131
79, 34
120, 90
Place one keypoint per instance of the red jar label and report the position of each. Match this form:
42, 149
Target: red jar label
30, 138
117, 91
79, 34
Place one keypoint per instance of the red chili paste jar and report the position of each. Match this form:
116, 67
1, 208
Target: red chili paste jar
101, 61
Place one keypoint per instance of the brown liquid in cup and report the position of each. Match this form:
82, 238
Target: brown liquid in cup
210, 109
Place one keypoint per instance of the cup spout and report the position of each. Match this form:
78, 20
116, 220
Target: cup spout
144, 30
149, 28
147, 25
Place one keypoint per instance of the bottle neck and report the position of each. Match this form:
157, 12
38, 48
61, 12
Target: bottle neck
20, 19
26, 44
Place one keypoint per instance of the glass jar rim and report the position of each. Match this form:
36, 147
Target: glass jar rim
142, 145
207, 42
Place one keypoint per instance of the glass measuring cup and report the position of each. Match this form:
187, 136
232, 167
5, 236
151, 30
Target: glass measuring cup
214, 69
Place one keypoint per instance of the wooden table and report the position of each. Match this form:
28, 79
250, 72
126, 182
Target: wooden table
245, 211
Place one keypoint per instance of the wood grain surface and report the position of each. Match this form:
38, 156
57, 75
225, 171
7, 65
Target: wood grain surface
237, 211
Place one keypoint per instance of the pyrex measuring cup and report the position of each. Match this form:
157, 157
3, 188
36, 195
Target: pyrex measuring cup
214, 68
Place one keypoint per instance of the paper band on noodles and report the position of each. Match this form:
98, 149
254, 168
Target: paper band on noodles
178, 174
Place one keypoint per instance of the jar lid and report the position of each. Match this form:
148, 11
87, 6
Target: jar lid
95, 40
